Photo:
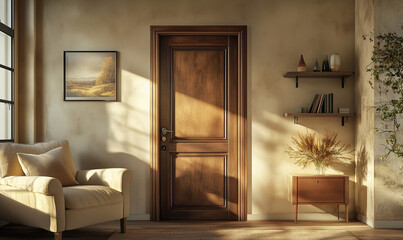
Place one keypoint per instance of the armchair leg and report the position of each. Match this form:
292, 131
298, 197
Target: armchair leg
58, 235
123, 223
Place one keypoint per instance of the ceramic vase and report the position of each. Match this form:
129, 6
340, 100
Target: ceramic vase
335, 62
316, 68
325, 64
301, 65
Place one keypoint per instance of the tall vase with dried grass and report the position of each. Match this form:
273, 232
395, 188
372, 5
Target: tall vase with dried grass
322, 153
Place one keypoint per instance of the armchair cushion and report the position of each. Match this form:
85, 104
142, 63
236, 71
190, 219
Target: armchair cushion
52, 163
9, 165
86, 196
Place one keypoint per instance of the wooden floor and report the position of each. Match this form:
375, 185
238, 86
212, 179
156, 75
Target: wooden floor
167, 230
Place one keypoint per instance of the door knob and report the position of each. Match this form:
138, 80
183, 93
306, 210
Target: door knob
164, 131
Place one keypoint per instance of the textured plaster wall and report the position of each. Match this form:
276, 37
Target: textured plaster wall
379, 187
116, 134
279, 31
364, 102
25, 71
388, 173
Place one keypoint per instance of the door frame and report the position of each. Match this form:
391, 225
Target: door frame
156, 33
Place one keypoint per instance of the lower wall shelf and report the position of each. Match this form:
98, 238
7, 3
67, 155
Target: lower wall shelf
343, 116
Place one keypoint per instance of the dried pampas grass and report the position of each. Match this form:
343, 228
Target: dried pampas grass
321, 152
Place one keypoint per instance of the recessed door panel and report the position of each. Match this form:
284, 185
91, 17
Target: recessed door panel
199, 93
209, 172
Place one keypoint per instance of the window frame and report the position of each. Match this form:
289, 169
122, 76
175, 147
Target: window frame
9, 31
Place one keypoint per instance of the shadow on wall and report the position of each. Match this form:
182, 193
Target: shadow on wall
114, 135
388, 187
104, 159
270, 131
269, 179
361, 176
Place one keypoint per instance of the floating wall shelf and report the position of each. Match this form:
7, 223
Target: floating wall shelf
297, 75
298, 115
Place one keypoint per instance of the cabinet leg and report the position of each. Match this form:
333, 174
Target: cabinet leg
296, 213
58, 235
338, 211
346, 212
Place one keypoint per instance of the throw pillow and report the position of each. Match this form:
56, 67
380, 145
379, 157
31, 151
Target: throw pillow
9, 165
51, 163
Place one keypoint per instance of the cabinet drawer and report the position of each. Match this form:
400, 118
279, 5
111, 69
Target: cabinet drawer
321, 190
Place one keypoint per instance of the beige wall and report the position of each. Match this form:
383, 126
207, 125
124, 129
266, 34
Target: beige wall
379, 183
364, 102
116, 134
25, 71
388, 174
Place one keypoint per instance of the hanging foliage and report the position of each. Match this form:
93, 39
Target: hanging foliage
387, 72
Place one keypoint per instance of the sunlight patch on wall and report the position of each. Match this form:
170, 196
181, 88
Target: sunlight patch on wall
129, 120
270, 165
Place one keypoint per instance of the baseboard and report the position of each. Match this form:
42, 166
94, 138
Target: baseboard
364, 219
291, 217
254, 217
139, 217
389, 224
380, 224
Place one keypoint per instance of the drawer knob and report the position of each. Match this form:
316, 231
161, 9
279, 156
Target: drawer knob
317, 181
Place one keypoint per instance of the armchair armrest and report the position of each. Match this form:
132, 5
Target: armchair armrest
37, 184
116, 178
36, 201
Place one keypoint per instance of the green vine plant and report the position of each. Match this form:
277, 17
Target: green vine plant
386, 71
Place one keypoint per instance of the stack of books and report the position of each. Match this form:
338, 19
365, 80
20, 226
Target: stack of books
322, 103
344, 110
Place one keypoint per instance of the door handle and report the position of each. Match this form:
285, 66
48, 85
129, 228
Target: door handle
164, 131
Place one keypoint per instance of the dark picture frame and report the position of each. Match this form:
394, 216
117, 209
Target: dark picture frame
90, 76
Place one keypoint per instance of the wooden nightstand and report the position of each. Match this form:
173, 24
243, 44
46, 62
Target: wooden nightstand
319, 189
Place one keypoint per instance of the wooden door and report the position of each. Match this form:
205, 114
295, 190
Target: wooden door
199, 104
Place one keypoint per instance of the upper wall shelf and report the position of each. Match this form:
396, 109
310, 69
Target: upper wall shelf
297, 75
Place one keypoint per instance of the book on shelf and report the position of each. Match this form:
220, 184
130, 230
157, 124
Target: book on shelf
325, 108
328, 102
315, 109
322, 103
318, 110
314, 102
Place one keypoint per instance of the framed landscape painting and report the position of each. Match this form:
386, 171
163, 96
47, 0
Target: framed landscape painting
90, 75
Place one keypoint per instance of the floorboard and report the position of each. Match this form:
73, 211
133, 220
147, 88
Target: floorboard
201, 230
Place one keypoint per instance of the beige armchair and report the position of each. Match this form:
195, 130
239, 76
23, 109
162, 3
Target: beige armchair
52, 202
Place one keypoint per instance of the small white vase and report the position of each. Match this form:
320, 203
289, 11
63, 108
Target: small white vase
335, 62
319, 169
